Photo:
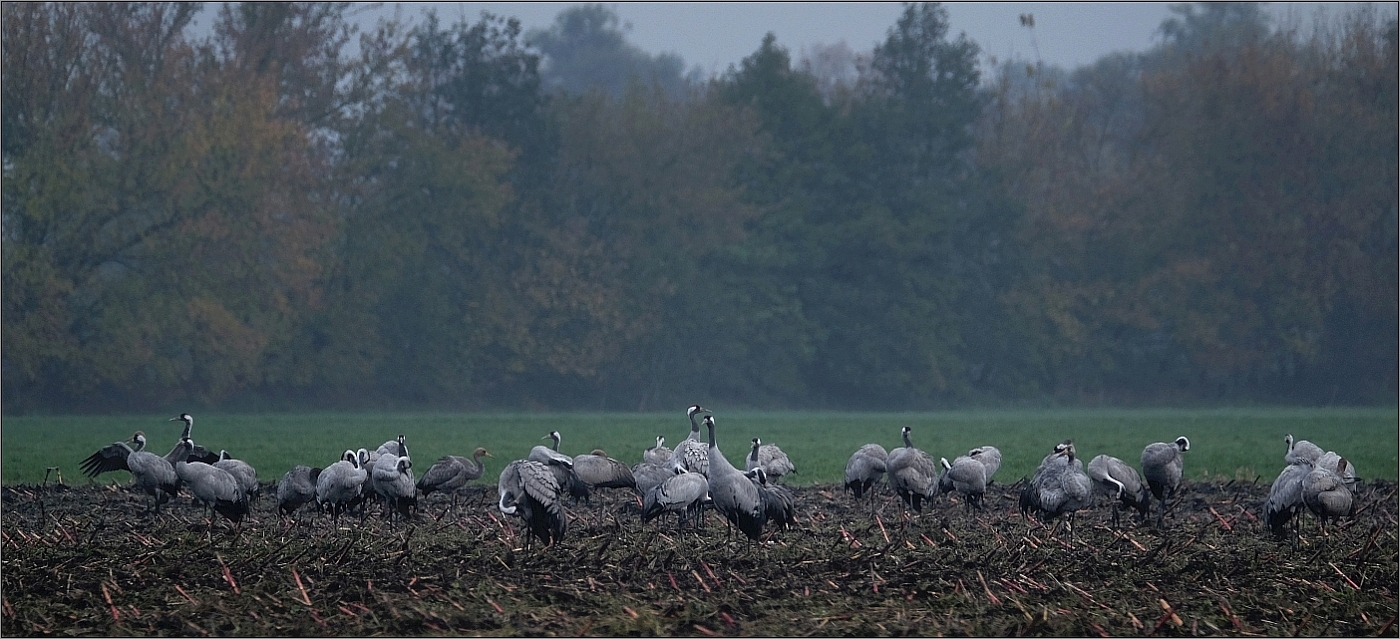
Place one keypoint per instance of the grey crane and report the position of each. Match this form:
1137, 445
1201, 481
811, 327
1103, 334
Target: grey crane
770, 458
1325, 492
528, 490
649, 475
215, 487
692, 454
155, 475
198, 453
1302, 449
112, 456
864, 468
1286, 497
561, 465
392, 480
244, 472
1161, 467
778, 502
1059, 448
682, 493
451, 472
965, 475
597, 470
733, 494
1121, 482
912, 473
1059, 487
658, 454
397, 446
1330, 459
1030, 492
298, 487
340, 485
990, 456
366, 459
550, 454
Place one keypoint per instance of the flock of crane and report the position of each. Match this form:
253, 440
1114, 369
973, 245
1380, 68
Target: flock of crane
696, 474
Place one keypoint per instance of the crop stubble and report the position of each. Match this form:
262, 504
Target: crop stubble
87, 560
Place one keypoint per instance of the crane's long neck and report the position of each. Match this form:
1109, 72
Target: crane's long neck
1119, 493
907, 443
189, 422
555, 436
754, 455
694, 426
710, 424
181, 451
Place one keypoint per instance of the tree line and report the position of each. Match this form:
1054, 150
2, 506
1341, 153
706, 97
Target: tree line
457, 215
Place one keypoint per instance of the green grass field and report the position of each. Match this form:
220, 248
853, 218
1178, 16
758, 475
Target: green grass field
1231, 443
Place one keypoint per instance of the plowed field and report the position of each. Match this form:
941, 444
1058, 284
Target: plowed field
90, 561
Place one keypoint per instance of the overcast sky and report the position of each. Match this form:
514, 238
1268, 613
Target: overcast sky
714, 35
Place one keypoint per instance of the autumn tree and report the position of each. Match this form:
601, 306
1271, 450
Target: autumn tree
1193, 225
178, 223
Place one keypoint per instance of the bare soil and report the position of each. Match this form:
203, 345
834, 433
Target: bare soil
89, 561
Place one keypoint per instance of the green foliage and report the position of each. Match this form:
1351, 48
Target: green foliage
863, 213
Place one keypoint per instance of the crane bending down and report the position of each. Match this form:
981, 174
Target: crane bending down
452, 472
865, 467
528, 490
682, 493
1121, 483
